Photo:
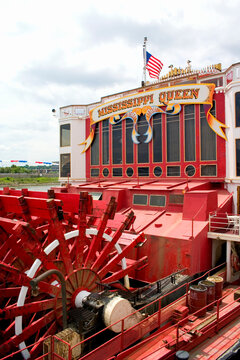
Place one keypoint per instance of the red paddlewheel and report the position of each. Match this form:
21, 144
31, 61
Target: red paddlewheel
36, 240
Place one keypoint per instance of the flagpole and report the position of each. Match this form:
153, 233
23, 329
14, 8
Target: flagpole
144, 60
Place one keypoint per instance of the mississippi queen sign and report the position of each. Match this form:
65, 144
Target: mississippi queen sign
163, 100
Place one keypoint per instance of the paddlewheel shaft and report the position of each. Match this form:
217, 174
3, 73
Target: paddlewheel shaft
38, 240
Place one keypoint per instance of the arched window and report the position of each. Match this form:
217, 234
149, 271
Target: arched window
157, 138
117, 143
173, 140
208, 136
95, 147
105, 142
189, 132
129, 142
142, 147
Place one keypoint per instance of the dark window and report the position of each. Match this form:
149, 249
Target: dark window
65, 168
157, 200
105, 172
173, 143
176, 199
95, 147
143, 148
105, 142
94, 172
208, 170
143, 171
65, 135
140, 199
189, 122
117, 143
117, 172
237, 107
238, 156
129, 142
190, 170
173, 170
208, 137
157, 171
129, 171
157, 138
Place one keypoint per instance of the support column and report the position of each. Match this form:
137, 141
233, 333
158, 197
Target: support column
228, 260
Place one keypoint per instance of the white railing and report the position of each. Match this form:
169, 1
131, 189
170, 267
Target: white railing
224, 222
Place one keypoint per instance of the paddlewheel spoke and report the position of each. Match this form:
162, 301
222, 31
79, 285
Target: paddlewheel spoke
37, 239
11, 312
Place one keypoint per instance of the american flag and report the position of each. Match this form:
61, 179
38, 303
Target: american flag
153, 65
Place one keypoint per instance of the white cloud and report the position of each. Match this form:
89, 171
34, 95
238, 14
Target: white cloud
55, 53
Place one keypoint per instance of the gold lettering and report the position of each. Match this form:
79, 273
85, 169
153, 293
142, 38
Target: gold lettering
124, 104
109, 109
146, 99
195, 93
186, 94
162, 97
170, 95
100, 113
129, 103
115, 107
178, 94
139, 100
151, 98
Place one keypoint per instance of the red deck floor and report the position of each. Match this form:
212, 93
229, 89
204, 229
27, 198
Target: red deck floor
199, 347
212, 348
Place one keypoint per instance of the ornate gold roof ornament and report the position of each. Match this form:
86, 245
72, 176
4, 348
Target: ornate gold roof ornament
189, 68
174, 72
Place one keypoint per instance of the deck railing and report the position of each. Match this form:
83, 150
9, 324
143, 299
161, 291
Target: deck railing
224, 222
154, 314
212, 324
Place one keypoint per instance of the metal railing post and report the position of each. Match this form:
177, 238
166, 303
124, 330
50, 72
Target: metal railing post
159, 312
69, 352
122, 334
177, 336
218, 304
187, 288
52, 348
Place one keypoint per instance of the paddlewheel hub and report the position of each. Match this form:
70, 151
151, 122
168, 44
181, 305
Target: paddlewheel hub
86, 281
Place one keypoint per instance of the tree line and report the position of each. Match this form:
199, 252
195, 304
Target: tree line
14, 169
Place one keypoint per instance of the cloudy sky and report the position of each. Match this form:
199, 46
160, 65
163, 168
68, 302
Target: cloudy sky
56, 53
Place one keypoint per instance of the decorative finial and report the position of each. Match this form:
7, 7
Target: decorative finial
188, 68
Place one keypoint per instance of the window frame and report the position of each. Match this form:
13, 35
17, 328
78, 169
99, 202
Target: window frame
115, 128
61, 137
169, 116
236, 167
200, 138
162, 196
202, 165
70, 170
146, 195
184, 132
237, 108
